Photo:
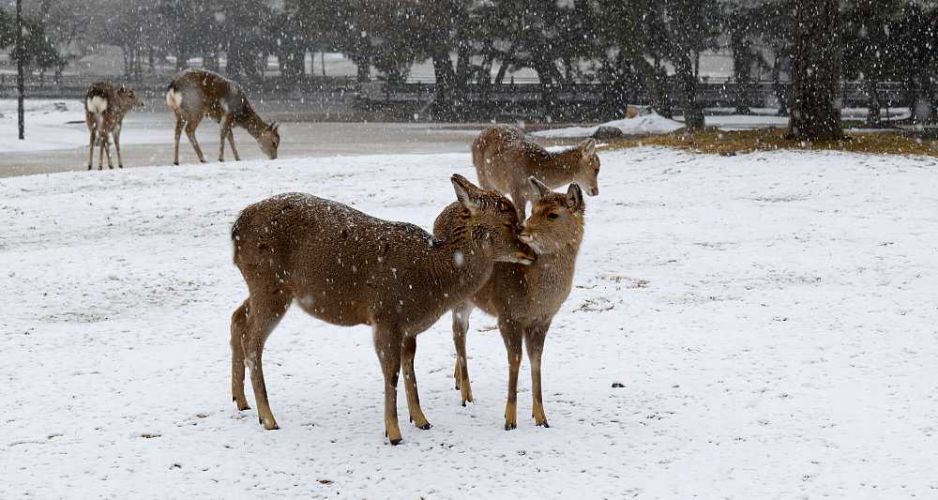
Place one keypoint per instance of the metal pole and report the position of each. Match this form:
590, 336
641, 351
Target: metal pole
20, 55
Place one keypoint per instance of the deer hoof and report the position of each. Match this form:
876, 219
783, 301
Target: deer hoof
120, 166
509, 427
395, 442
425, 427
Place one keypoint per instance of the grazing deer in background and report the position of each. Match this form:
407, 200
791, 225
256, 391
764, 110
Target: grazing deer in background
105, 107
524, 298
348, 268
195, 93
504, 159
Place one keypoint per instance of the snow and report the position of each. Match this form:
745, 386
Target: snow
57, 124
651, 123
771, 318
762, 117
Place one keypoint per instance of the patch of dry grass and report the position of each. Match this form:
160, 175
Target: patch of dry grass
729, 143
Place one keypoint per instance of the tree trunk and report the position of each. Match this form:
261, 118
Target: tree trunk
777, 85
742, 67
873, 104
364, 68
816, 66
693, 114
445, 83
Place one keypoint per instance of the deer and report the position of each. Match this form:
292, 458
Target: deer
504, 159
348, 268
105, 108
524, 299
195, 93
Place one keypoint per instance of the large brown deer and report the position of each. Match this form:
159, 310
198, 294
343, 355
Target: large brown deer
524, 298
348, 268
504, 159
195, 93
105, 108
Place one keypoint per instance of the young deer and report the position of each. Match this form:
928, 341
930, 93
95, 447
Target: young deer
504, 159
348, 268
105, 107
525, 299
195, 93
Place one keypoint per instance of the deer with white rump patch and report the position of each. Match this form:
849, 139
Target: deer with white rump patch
348, 268
524, 298
105, 108
504, 159
195, 93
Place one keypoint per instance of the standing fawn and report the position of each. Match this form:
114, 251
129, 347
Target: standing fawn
504, 159
195, 93
525, 299
348, 268
105, 107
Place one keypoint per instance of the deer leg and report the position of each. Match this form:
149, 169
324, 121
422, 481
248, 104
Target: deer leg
231, 141
91, 147
265, 314
224, 126
239, 325
179, 124
534, 341
102, 138
511, 334
460, 328
190, 133
408, 350
388, 346
106, 146
117, 145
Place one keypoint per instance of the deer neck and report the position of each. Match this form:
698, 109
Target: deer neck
559, 168
251, 122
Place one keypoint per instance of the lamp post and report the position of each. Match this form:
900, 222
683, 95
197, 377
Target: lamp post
20, 85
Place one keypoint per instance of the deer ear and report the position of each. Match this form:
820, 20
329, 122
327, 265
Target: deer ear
587, 147
575, 198
274, 126
542, 189
466, 192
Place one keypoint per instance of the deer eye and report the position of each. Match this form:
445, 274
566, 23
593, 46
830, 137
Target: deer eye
553, 215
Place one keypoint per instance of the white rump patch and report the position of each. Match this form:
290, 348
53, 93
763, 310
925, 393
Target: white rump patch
96, 104
173, 99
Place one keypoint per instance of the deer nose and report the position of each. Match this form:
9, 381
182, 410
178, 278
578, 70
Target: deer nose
594, 191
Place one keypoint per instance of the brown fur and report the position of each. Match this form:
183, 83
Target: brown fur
195, 93
504, 159
348, 268
119, 101
525, 298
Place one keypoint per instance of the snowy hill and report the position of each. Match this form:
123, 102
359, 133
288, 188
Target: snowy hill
771, 317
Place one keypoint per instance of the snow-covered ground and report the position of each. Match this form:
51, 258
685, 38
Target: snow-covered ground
771, 316
58, 124
651, 123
